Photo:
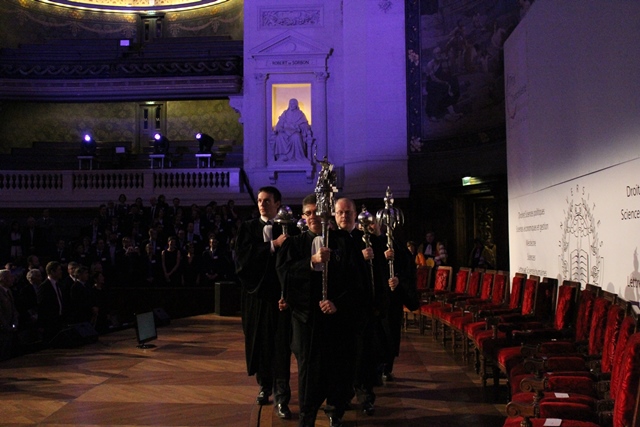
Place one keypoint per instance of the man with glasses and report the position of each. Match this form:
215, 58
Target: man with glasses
372, 303
322, 330
266, 326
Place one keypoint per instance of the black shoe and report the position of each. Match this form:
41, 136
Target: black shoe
368, 409
263, 398
283, 411
335, 422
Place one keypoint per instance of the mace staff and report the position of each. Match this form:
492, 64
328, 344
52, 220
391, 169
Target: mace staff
284, 217
366, 219
325, 203
390, 217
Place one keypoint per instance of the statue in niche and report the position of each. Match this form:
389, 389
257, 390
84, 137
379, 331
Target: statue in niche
292, 139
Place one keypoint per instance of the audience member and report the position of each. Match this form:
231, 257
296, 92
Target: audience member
432, 249
51, 303
82, 305
480, 256
152, 266
32, 238
8, 316
191, 266
217, 263
171, 260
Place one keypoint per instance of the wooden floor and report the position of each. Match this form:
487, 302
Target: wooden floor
196, 377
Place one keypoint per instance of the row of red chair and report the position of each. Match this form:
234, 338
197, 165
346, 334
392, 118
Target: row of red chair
529, 330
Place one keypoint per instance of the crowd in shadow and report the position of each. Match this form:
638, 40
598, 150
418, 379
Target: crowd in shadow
51, 281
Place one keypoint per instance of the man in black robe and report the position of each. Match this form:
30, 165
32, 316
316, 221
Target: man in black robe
372, 299
322, 330
266, 327
401, 292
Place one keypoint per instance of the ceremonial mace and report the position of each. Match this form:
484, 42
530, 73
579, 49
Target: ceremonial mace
390, 217
325, 204
284, 217
366, 219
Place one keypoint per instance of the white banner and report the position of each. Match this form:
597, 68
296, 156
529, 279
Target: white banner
587, 229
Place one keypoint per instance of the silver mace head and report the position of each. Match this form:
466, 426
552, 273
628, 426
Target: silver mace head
365, 219
284, 217
390, 217
325, 188
302, 224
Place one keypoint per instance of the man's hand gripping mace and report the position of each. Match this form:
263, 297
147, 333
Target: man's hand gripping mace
284, 217
325, 204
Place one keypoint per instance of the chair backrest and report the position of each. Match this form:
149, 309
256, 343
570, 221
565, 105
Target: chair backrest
615, 316
443, 279
517, 288
626, 399
629, 326
474, 283
487, 284
584, 312
599, 321
462, 280
545, 299
566, 306
423, 276
529, 296
500, 291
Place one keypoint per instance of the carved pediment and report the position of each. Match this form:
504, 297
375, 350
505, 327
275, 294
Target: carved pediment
291, 50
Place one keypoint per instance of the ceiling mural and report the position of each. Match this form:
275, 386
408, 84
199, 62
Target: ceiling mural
127, 6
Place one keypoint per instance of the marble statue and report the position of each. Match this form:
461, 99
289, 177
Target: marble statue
292, 138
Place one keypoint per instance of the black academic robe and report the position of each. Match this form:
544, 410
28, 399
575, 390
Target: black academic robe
255, 269
404, 294
323, 343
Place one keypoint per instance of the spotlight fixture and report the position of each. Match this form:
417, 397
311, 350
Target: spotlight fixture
205, 142
88, 146
160, 144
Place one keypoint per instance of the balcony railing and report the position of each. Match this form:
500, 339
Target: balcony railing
89, 188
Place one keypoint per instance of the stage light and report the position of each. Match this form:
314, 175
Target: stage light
88, 146
160, 144
205, 142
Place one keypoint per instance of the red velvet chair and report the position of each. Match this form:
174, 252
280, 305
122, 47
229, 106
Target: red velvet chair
472, 308
624, 391
583, 387
441, 286
460, 312
444, 300
423, 287
501, 351
468, 314
584, 330
559, 326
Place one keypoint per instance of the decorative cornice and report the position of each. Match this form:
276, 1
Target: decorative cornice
142, 69
291, 16
122, 89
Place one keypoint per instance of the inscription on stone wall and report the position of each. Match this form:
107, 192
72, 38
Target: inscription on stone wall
289, 62
291, 17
